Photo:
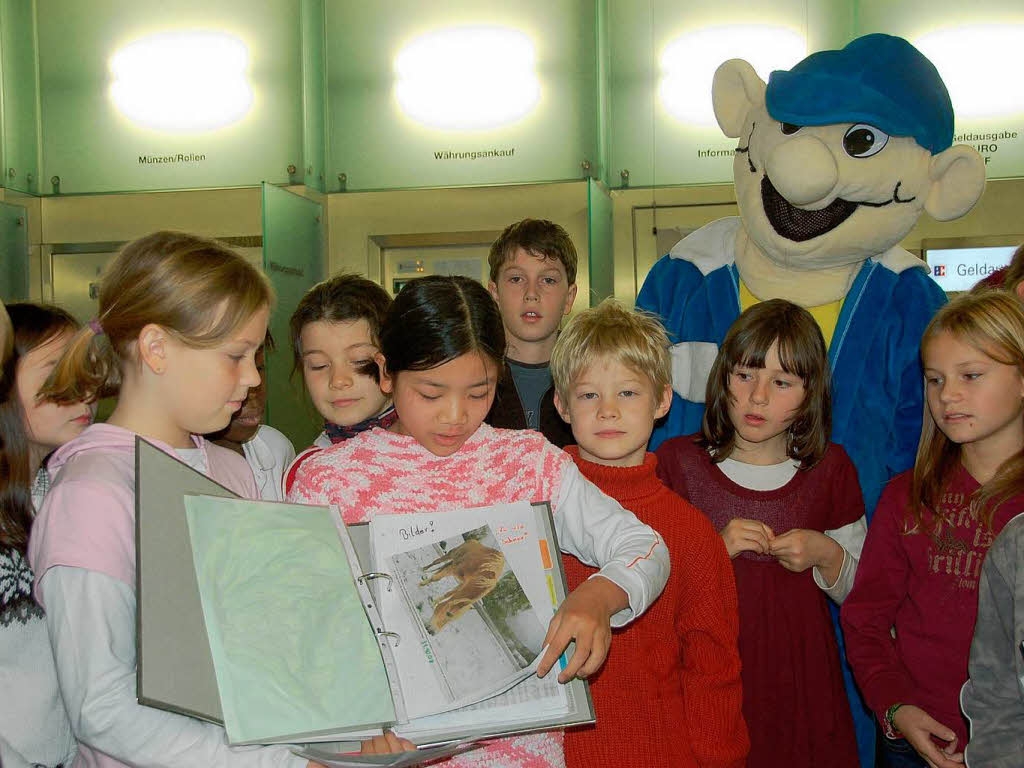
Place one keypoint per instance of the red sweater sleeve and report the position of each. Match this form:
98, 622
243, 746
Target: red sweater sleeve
707, 624
870, 609
847, 500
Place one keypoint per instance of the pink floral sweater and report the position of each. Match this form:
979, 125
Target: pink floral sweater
380, 472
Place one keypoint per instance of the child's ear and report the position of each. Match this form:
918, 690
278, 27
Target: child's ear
492, 288
562, 410
570, 298
665, 403
387, 384
153, 348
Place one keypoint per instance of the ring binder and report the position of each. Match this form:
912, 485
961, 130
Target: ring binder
375, 575
384, 632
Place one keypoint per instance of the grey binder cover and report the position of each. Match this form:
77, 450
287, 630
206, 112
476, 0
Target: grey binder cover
175, 667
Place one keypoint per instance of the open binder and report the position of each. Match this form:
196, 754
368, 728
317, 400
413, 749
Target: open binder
342, 651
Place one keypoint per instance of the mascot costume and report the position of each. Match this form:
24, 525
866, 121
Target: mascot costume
837, 159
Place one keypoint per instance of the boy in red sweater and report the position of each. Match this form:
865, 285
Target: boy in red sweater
669, 692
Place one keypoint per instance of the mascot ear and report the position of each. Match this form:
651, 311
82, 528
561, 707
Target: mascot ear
735, 90
958, 179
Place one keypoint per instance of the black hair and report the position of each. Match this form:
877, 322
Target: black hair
436, 319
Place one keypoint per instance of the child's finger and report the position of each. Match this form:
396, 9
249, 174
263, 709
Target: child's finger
396, 744
579, 657
598, 653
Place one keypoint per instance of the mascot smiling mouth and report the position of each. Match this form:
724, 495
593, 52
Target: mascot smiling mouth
798, 224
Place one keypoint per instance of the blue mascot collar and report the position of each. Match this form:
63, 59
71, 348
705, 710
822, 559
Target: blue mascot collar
876, 79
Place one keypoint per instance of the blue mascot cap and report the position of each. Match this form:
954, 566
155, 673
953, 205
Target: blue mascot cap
876, 79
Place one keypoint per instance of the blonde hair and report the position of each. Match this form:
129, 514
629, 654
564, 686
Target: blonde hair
992, 322
635, 339
196, 289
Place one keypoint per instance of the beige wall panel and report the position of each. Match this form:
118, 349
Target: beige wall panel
356, 218
122, 217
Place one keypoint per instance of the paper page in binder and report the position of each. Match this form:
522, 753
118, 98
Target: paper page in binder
499, 646
267, 574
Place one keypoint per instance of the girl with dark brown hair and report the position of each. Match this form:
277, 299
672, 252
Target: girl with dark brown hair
788, 506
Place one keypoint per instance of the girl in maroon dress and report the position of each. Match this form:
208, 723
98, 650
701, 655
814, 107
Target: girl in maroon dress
788, 506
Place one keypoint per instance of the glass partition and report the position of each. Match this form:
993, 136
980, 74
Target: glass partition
460, 93
663, 55
175, 94
13, 253
19, 97
976, 48
599, 231
293, 259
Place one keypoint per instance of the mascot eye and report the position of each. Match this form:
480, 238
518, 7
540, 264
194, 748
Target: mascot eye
863, 140
788, 128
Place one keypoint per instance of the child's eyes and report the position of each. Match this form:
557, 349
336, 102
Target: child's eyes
551, 280
586, 395
972, 376
478, 397
783, 384
237, 358
932, 380
429, 397
320, 367
743, 375
628, 393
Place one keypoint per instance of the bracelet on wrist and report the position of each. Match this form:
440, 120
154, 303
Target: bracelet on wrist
888, 727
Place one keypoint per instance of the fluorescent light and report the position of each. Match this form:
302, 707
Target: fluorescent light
467, 78
976, 63
688, 64
182, 82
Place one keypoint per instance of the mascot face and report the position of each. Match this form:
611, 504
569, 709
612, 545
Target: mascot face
838, 157
821, 196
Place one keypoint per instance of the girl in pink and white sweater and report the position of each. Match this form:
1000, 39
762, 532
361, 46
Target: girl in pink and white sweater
442, 346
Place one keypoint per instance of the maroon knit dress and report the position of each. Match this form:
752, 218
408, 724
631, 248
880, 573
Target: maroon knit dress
794, 701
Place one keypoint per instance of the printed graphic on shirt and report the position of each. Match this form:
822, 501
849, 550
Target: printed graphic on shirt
16, 603
959, 541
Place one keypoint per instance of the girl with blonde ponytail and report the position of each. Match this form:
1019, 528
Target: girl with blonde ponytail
921, 564
180, 320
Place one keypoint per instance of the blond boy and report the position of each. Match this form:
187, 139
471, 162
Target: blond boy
679, 662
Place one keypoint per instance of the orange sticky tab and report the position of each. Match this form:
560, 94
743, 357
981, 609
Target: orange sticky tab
545, 556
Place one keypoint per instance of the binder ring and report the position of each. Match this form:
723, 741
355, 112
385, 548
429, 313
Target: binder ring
395, 635
375, 575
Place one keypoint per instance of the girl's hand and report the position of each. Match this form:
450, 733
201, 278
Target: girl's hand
918, 727
742, 535
800, 549
584, 616
386, 744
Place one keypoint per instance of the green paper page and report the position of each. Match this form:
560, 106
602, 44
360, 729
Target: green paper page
293, 650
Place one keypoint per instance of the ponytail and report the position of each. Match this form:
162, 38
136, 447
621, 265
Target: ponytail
88, 370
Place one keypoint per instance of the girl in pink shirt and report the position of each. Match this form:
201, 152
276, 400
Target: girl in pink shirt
442, 346
181, 318
933, 526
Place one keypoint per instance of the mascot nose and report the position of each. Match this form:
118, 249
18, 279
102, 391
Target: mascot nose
802, 169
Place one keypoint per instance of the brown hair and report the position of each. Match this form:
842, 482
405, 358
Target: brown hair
538, 237
342, 298
992, 322
635, 339
34, 325
802, 352
1015, 270
196, 289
